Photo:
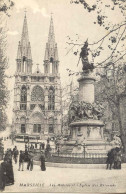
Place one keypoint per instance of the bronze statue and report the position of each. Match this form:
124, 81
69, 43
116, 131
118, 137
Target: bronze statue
87, 67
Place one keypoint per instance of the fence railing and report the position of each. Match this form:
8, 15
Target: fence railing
81, 155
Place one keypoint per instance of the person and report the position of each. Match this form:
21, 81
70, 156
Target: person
15, 154
43, 146
21, 160
30, 162
26, 156
3, 174
117, 158
42, 160
1, 177
47, 150
26, 146
9, 172
48, 140
35, 145
110, 159
8, 154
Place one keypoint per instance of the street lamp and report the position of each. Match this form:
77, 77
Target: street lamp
58, 150
84, 145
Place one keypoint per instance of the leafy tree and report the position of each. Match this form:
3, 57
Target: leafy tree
5, 6
109, 91
3, 89
110, 68
4, 95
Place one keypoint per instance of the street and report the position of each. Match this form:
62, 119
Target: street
56, 179
68, 179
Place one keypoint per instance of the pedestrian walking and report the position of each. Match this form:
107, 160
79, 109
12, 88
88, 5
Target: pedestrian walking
110, 159
21, 160
42, 159
30, 162
15, 154
43, 146
117, 158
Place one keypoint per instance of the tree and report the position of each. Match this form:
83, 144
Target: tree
5, 6
4, 95
111, 86
109, 91
113, 40
3, 89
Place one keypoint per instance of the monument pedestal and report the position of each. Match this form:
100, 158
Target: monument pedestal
86, 126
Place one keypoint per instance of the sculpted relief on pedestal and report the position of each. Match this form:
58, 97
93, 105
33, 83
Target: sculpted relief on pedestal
80, 111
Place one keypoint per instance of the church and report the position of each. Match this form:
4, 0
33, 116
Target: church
37, 96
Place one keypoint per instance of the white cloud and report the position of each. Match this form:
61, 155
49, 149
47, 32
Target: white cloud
22, 4
42, 11
13, 33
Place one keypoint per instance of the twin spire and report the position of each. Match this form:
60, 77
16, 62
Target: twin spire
24, 48
51, 46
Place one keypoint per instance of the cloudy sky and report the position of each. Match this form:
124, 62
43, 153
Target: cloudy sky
69, 20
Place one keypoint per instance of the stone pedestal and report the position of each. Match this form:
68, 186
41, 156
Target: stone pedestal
86, 127
86, 88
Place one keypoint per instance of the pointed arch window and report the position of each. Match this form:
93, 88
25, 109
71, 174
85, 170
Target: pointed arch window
51, 125
23, 98
51, 65
51, 99
23, 125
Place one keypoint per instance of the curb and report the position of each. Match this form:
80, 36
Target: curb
83, 166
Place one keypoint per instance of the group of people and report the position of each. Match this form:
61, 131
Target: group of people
29, 158
114, 158
6, 170
10, 157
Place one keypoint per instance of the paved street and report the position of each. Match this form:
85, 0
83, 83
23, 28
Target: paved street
68, 179
56, 179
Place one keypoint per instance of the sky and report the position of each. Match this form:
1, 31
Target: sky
69, 20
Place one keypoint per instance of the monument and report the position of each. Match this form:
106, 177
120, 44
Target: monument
85, 114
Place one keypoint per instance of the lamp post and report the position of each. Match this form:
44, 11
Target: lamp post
84, 149
84, 146
58, 150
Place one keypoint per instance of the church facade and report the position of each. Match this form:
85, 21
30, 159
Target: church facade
37, 95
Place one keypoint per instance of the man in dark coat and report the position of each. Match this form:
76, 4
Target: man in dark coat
117, 158
110, 159
42, 159
15, 154
30, 162
21, 160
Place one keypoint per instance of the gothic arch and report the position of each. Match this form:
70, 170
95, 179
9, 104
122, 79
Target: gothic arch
51, 98
23, 124
51, 124
23, 119
23, 98
37, 117
38, 122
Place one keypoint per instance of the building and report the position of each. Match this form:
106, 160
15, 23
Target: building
37, 95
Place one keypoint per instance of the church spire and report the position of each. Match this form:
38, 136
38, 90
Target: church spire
51, 37
24, 51
51, 61
25, 37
